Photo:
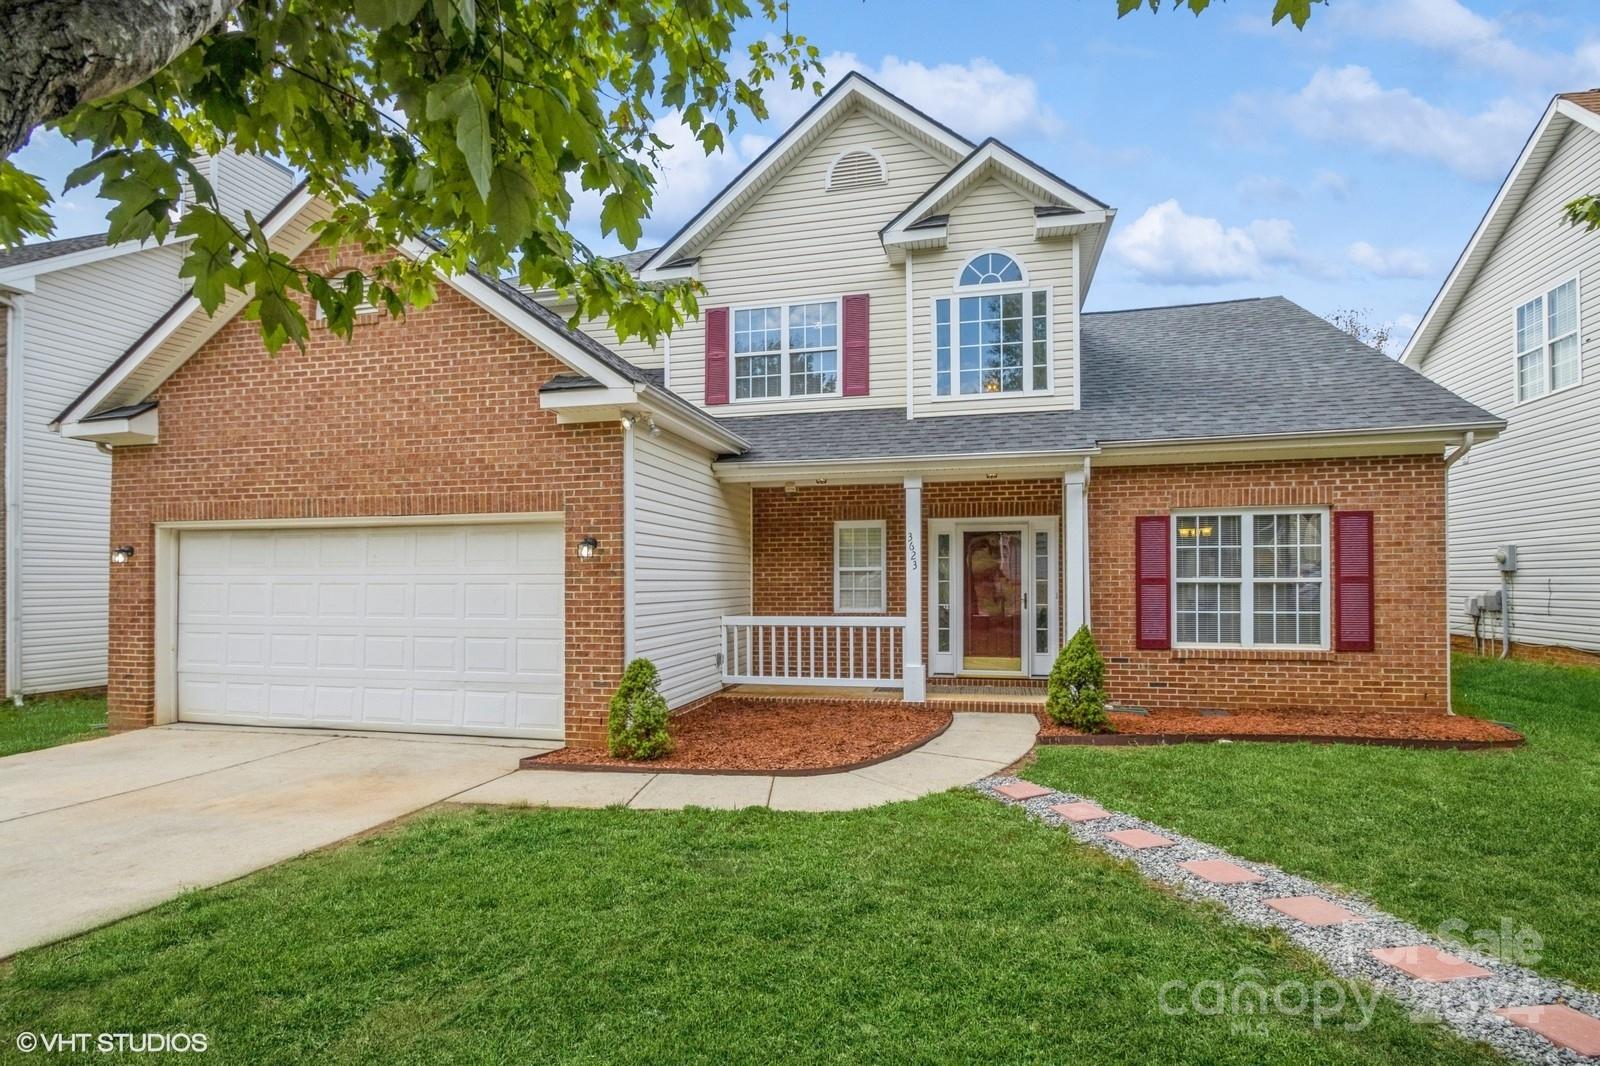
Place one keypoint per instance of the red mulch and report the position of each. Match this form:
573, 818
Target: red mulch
729, 733
1369, 725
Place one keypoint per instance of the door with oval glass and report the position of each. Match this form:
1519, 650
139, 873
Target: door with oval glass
994, 591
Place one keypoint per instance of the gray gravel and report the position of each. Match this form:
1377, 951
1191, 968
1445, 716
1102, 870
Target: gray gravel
1467, 1006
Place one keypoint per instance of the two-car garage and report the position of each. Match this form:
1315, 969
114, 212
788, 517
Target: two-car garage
449, 627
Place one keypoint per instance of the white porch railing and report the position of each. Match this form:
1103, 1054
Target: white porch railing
813, 651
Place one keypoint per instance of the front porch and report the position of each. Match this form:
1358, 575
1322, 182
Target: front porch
880, 587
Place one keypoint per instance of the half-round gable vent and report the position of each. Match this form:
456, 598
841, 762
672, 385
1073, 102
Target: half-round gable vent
856, 168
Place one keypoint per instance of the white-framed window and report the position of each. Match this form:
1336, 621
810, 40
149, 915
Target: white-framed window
994, 340
1549, 350
858, 567
789, 349
1251, 578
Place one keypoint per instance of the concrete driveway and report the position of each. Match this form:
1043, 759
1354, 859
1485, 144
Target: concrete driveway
98, 830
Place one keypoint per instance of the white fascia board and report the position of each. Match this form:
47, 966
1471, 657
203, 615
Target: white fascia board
1406, 441
600, 404
24, 273
152, 342
1505, 203
1001, 466
1065, 225
852, 89
142, 428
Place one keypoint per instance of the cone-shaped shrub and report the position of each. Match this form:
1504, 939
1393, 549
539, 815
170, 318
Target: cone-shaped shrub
1077, 692
638, 725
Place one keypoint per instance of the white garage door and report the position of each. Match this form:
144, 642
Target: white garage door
435, 629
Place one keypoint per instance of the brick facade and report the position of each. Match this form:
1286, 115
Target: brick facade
1407, 671
438, 414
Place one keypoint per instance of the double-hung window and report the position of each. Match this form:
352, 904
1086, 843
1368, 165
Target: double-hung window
858, 567
993, 334
1251, 578
1548, 350
786, 350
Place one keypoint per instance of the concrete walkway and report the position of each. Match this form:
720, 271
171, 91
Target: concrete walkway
975, 746
97, 830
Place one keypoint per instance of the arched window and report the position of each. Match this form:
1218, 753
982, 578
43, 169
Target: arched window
994, 341
992, 268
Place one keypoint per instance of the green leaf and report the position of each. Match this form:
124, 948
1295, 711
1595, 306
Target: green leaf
210, 265
381, 14
23, 199
511, 201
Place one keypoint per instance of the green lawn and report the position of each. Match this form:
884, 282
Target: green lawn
1475, 837
949, 929
48, 720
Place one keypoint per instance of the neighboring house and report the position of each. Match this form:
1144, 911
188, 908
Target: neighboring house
1514, 330
69, 307
893, 451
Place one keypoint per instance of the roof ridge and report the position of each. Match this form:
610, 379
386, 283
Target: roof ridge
1197, 303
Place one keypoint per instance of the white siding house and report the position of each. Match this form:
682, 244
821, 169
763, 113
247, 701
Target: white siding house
1516, 330
71, 307
690, 563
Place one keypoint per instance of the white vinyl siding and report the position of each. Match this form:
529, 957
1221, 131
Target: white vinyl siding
995, 216
691, 563
799, 238
1538, 484
74, 325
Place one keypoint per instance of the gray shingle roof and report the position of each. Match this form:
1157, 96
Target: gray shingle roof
33, 253
1243, 368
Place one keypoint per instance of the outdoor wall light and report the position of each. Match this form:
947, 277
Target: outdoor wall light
122, 554
586, 547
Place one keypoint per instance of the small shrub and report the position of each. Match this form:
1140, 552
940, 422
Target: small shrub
638, 725
1077, 694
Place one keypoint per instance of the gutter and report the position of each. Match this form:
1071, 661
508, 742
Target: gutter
13, 496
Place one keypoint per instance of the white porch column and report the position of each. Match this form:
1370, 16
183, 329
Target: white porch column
1075, 547
915, 674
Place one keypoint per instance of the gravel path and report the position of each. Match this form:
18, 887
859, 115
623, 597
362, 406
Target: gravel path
1466, 1005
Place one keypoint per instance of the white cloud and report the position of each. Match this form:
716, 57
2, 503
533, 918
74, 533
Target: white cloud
1388, 262
1168, 246
1479, 43
1348, 104
977, 99
1331, 183
1324, 184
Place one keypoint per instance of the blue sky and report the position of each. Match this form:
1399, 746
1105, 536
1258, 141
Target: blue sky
1341, 166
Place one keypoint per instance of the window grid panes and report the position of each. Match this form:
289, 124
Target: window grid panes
788, 350
858, 567
1287, 563
1041, 340
991, 268
1549, 352
1041, 592
758, 353
941, 337
991, 344
1269, 569
942, 590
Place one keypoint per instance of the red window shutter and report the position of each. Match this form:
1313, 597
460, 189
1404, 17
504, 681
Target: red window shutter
716, 355
1352, 581
857, 345
1153, 605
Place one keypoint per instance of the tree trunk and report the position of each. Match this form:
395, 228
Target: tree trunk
61, 53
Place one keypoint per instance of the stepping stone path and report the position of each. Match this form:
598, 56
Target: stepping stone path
1313, 910
1220, 871
1513, 1009
1427, 963
1080, 812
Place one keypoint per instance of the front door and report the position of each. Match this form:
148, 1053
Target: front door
993, 588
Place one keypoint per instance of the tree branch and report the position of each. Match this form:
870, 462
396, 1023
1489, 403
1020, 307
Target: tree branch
61, 54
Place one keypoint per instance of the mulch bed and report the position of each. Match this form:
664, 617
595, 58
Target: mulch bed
732, 735
1406, 730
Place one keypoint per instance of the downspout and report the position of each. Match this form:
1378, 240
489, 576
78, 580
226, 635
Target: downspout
1449, 461
13, 461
